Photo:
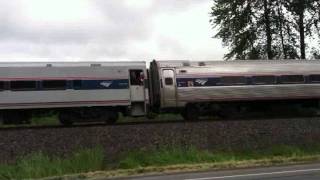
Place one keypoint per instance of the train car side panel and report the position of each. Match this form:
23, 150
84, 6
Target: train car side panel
63, 98
248, 93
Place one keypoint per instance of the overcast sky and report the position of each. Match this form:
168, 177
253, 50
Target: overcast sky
88, 30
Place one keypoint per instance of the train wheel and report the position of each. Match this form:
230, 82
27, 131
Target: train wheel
152, 115
111, 117
16, 117
66, 118
190, 113
26, 118
229, 112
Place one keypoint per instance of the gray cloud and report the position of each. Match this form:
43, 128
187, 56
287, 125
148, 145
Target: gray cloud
119, 28
120, 23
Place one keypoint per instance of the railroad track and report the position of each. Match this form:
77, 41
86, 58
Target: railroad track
145, 122
79, 125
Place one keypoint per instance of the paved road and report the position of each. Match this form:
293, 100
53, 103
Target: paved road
295, 172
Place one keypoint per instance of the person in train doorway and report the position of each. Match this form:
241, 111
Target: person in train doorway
141, 78
136, 77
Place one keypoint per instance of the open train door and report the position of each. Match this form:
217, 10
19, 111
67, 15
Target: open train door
169, 88
137, 92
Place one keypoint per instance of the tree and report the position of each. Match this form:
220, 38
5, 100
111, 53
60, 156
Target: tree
305, 19
266, 8
255, 29
236, 28
286, 39
242, 26
315, 54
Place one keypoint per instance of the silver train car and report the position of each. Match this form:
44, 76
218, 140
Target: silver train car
77, 91
196, 88
99, 91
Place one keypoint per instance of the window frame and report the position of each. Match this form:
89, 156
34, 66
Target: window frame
25, 88
77, 84
168, 74
166, 83
221, 83
309, 77
138, 80
4, 85
253, 80
54, 88
281, 81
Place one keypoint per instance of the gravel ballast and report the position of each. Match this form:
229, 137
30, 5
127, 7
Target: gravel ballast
116, 140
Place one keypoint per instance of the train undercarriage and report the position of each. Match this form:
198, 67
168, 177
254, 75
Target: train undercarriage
227, 110
191, 112
66, 116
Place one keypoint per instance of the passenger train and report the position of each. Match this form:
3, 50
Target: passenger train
99, 91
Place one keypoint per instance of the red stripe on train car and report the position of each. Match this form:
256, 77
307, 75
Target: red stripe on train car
241, 74
64, 103
252, 99
61, 78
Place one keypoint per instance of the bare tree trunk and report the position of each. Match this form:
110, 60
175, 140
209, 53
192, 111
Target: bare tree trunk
302, 38
280, 15
268, 29
301, 31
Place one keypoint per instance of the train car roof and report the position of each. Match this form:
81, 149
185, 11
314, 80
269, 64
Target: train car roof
188, 63
74, 64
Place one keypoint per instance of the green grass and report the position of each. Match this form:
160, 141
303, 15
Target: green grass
172, 156
51, 119
40, 165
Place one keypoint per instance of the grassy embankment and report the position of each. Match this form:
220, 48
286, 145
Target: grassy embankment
162, 160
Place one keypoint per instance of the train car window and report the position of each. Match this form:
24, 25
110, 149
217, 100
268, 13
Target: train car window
23, 85
292, 79
136, 77
315, 78
77, 84
168, 81
263, 79
232, 80
54, 84
2, 85
168, 76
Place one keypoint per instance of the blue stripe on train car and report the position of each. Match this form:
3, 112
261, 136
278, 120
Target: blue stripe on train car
216, 81
197, 82
100, 84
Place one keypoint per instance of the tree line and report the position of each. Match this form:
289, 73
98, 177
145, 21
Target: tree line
268, 29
